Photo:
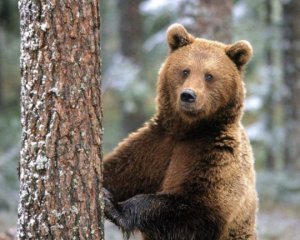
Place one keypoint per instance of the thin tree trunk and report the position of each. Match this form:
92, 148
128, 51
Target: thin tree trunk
211, 19
131, 29
2, 18
291, 78
61, 171
269, 102
1, 75
131, 32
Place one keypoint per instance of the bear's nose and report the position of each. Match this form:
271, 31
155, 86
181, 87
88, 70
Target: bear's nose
188, 95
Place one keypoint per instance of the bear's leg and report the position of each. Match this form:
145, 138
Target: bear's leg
137, 165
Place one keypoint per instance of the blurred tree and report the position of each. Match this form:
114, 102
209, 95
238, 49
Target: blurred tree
1, 75
61, 117
131, 29
291, 79
269, 103
3, 19
109, 37
210, 19
131, 32
8, 23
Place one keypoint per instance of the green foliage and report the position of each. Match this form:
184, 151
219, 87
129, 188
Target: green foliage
9, 110
111, 123
9, 157
278, 188
10, 74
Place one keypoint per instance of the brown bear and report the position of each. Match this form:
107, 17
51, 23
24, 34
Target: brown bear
188, 173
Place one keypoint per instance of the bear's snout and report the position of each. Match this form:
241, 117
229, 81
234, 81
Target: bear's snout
188, 96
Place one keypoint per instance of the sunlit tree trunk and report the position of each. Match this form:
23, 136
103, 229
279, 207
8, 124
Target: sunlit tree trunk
210, 19
291, 78
131, 32
269, 101
60, 167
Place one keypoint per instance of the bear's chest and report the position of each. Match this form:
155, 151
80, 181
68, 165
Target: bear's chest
185, 162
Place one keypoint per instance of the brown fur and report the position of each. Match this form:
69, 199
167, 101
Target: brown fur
197, 154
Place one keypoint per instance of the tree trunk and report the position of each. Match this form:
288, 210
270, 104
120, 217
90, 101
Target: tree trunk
269, 103
211, 19
291, 78
61, 171
131, 32
1, 75
131, 29
2, 19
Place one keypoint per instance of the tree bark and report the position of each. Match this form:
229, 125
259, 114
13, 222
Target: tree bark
291, 79
269, 103
131, 32
60, 167
211, 19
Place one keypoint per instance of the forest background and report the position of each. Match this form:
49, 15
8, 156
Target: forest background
133, 48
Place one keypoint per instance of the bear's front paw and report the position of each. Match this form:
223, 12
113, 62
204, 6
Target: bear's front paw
113, 211
110, 209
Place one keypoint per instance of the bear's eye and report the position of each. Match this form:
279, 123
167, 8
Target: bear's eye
185, 73
208, 77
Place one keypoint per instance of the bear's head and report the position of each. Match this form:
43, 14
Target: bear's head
202, 79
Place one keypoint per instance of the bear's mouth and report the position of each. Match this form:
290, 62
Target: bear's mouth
189, 108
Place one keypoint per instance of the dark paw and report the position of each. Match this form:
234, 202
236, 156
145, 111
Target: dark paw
110, 207
113, 211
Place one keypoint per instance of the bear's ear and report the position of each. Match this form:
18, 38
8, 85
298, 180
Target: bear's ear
240, 52
178, 36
